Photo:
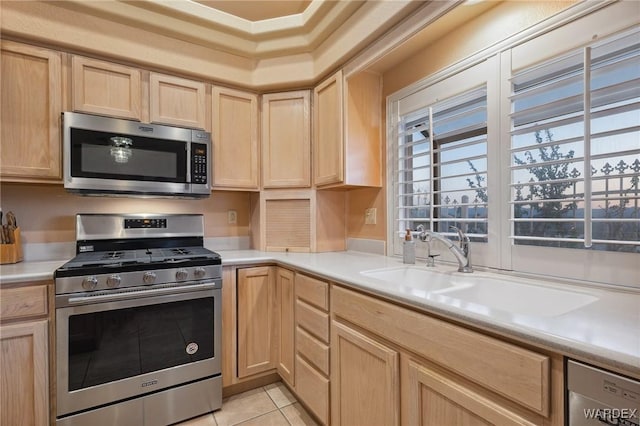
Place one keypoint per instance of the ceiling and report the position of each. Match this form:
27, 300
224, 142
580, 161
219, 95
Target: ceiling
260, 44
258, 10
249, 28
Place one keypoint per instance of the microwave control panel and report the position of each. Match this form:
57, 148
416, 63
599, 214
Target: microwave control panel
199, 163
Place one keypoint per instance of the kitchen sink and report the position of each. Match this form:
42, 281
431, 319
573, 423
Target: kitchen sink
418, 278
520, 298
483, 291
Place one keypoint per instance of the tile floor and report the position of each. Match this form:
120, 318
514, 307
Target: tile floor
271, 405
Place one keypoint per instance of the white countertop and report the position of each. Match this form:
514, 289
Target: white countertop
606, 332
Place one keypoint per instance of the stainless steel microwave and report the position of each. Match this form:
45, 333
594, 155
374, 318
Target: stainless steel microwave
108, 156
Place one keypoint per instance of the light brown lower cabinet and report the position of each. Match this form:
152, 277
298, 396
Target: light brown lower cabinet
449, 374
25, 374
24, 354
285, 324
355, 359
312, 345
365, 387
434, 398
256, 292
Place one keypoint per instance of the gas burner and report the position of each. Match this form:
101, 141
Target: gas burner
112, 249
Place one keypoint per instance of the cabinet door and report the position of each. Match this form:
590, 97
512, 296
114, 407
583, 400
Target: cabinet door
177, 101
286, 140
364, 379
328, 143
30, 113
434, 398
285, 323
256, 320
25, 374
235, 139
105, 88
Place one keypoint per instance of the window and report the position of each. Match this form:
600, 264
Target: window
575, 149
540, 134
442, 166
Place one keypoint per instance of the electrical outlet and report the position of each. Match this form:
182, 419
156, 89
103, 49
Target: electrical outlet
370, 216
232, 217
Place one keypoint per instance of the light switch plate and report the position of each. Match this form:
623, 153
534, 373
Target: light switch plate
232, 217
370, 216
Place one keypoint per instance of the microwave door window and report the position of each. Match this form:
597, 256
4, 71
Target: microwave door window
112, 156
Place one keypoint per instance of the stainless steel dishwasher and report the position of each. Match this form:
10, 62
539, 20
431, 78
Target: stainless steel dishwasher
599, 397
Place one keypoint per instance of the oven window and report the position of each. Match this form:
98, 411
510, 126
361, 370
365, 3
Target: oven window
111, 345
109, 156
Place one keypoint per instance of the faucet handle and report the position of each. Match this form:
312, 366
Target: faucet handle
461, 235
422, 236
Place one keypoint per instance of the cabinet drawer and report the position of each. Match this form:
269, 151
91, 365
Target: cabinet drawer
23, 302
313, 320
511, 371
313, 291
313, 389
313, 350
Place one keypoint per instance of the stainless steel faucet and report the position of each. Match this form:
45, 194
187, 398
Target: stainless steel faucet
461, 253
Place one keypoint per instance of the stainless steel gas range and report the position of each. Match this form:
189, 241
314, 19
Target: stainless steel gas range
138, 322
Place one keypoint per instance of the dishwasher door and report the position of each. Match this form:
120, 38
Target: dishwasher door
597, 397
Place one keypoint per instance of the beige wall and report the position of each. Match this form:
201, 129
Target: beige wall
46, 213
496, 24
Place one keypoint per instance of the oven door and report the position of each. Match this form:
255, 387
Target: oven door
113, 347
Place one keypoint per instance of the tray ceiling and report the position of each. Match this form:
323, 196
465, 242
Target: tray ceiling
258, 10
253, 29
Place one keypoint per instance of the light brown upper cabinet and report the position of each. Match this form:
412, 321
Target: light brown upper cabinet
177, 101
105, 88
235, 139
347, 131
286, 140
30, 113
328, 144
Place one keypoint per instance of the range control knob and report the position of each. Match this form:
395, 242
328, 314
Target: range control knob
181, 274
90, 283
149, 277
114, 281
199, 272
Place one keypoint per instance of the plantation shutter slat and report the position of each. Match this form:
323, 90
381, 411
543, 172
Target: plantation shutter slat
575, 148
441, 148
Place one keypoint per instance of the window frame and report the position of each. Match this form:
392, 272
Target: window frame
548, 39
483, 73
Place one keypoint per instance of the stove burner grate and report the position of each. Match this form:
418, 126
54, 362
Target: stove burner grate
112, 255
180, 251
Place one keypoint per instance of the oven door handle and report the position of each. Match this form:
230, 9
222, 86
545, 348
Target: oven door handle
141, 293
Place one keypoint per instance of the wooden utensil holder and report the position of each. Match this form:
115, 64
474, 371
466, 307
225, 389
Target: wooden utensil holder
12, 253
